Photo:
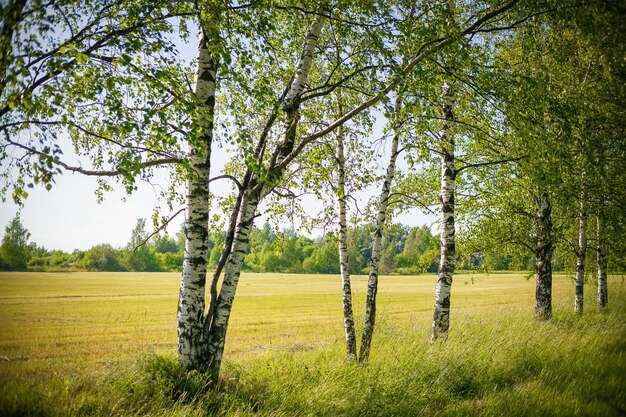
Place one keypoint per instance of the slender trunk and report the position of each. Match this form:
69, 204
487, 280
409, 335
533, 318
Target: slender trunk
348, 318
543, 256
603, 292
224, 255
383, 203
191, 328
253, 193
445, 272
581, 253
223, 306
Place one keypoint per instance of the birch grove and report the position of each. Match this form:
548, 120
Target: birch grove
107, 80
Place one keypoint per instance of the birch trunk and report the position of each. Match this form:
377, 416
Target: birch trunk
252, 195
543, 256
192, 346
383, 203
348, 318
603, 292
223, 306
581, 253
445, 272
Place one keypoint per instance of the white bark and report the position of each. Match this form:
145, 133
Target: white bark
223, 307
191, 305
581, 253
543, 256
291, 102
603, 291
445, 273
348, 318
303, 66
383, 204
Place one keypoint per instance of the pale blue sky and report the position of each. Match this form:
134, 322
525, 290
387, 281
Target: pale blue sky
69, 217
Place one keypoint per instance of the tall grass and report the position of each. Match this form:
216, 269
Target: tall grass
497, 361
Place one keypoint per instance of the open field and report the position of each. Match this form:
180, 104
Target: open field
85, 344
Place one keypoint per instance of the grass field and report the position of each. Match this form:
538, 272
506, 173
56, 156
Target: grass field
104, 344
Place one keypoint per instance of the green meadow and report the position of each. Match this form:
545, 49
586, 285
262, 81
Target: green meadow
101, 344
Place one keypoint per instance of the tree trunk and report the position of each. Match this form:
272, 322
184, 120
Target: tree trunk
445, 273
254, 192
191, 328
581, 253
603, 292
543, 256
223, 306
383, 203
348, 318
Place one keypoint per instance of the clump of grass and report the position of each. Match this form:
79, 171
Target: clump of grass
162, 379
511, 366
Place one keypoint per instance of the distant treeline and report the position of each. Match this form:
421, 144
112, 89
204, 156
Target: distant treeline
405, 250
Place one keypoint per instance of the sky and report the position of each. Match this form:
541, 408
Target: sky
69, 216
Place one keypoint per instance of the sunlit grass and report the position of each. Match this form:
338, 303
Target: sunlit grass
104, 344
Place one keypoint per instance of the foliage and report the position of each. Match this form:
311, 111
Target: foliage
14, 251
102, 258
140, 257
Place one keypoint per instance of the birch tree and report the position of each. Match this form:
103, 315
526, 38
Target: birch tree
381, 217
603, 292
346, 290
255, 190
552, 100
581, 253
114, 84
192, 322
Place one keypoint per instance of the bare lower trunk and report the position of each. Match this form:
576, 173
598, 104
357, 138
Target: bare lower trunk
603, 292
223, 306
543, 256
348, 318
224, 255
192, 347
581, 253
445, 273
383, 203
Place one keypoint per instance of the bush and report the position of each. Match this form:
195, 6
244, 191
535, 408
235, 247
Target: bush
102, 258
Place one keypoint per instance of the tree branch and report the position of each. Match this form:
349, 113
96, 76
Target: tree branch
425, 50
483, 164
163, 226
94, 173
229, 177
